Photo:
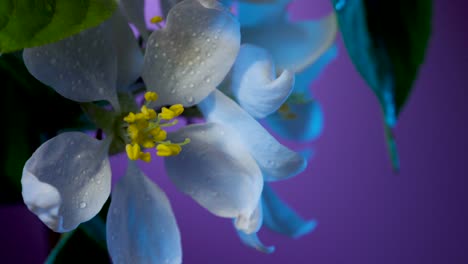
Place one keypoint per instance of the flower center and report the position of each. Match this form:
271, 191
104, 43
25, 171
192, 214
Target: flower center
145, 130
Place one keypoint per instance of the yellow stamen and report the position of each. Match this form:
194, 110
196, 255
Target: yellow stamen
171, 112
158, 134
130, 118
156, 19
151, 96
168, 149
145, 156
148, 113
145, 130
133, 151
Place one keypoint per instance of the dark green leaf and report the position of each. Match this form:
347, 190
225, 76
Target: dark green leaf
387, 42
31, 113
28, 23
86, 244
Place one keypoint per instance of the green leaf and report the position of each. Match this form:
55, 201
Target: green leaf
29, 23
387, 42
86, 244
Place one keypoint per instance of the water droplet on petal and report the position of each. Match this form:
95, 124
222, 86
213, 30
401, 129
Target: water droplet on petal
189, 99
83, 205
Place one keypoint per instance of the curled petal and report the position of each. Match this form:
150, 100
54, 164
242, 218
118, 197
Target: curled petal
275, 160
301, 121
67, 180
294, 46
215, 170
253, 241
141, 227
82, 67
279, 217
250, 223
185, 61
254, 82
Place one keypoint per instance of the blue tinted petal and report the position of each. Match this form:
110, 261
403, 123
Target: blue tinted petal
253, 241
276, 161
251, 13
294, 46
300, 121
305, 78
141, 227
255, 84
279, 217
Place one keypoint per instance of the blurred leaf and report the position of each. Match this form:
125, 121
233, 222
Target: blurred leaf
28, 23
86, 244
32, 113
387, 42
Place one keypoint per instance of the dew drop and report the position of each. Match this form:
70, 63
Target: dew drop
83, 205
173, 90
189, 99
207, 79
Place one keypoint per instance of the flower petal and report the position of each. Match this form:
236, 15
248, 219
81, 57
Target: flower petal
294, 46
215, 170
185, 61
305, 78
134, 10
141, 227
254, 12
82, 67
250, 223
275, 160
67, 180
279, 217
129, 55
303, 121
252, 240
254, 82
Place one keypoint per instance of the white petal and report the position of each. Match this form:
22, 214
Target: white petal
275, 160
255, 84
82, 67
129, 55
185, 61
141, 227
134, 10
215, 170
67, 180
250, 223
294, 46
166, 5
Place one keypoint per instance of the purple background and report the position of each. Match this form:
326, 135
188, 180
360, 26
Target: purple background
366, 214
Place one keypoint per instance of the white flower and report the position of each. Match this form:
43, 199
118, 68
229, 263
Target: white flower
68, 179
